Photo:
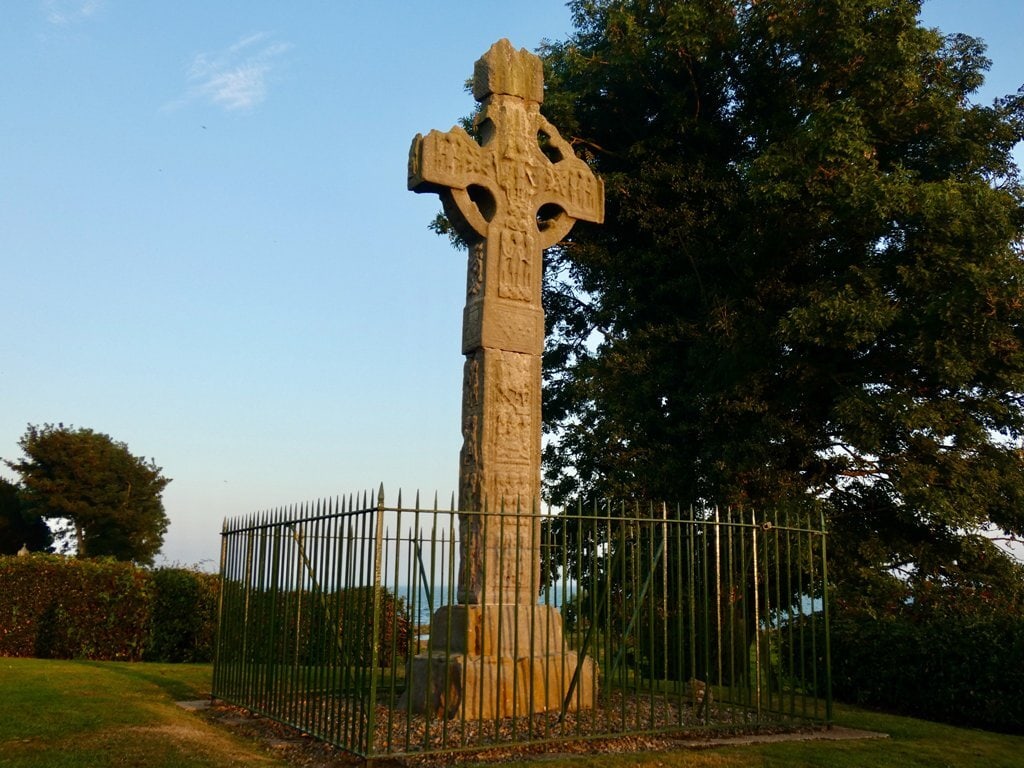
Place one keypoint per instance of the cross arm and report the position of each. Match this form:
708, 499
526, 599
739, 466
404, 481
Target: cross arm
571, 189
452, 164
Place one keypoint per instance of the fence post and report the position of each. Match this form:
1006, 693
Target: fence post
824, 606
378, 553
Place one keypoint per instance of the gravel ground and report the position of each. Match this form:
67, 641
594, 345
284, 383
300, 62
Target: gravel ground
595, 731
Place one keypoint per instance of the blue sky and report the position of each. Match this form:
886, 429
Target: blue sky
207, 250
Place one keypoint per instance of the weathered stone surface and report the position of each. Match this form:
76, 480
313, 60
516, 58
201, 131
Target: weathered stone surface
507, 71
486, 687
513, 194
491, 630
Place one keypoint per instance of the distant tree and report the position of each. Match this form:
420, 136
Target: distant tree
110, 499
17, 529
809, 284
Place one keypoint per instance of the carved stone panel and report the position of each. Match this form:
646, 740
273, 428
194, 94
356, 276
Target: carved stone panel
475, 271
516, 277
513, 416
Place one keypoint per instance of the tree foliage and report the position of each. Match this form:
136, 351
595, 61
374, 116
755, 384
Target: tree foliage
111, 499
17, 529
809, 281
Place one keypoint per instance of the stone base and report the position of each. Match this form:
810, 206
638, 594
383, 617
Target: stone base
490, 661
488, 687
497, 630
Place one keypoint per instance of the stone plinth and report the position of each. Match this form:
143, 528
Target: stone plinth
492, 661
488, 687
498, 661
497, 630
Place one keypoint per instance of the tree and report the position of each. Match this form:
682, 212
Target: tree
809, 282
111, 499
18, 530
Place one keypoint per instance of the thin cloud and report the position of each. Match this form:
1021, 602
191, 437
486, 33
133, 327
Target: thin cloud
234, 78
62, 12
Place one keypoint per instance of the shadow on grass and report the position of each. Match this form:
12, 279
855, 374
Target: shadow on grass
194, 684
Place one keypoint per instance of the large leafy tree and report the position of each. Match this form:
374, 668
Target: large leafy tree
809, 284
110, 499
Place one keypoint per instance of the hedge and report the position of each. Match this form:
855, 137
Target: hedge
311, 628
960, 665
184, 615
102, 609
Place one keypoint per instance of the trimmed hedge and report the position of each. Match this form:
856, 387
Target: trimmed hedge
313, 628
957, 667
960, 664
184, 615
62, 608
53, 607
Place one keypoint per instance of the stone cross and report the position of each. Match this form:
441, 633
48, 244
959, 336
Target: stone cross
510, 196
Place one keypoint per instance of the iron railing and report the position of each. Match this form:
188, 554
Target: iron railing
672, 620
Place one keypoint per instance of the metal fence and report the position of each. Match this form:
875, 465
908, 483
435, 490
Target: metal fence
341, 618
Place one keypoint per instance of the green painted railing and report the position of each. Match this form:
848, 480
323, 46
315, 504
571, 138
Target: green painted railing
696, 620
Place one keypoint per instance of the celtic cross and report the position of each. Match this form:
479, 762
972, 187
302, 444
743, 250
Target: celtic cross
510, 196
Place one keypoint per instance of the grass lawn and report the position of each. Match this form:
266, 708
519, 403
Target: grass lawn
93, 714
86, 714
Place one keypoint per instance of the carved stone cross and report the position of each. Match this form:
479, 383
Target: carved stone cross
513, 194
517, 192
